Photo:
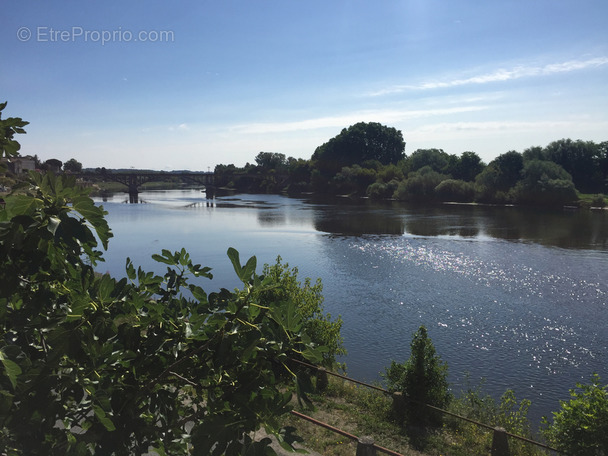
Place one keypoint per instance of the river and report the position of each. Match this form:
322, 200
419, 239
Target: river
518, 297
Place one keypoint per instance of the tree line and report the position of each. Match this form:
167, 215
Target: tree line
368, 159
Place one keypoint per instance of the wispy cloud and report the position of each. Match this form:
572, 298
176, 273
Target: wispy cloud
481, 128
384, 116
180, 127
500, 75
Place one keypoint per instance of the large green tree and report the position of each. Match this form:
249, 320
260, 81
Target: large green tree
467, 167
582, 160
436, 159
499, 177
72, 165
359, 143
271, 160
544, 182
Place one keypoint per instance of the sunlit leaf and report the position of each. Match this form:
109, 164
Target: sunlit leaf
11, 369
233, 254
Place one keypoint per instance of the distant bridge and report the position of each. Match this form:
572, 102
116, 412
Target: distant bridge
133, 180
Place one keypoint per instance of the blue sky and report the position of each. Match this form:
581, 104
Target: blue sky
191, 84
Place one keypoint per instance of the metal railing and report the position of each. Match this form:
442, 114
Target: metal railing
365, 445
499, 442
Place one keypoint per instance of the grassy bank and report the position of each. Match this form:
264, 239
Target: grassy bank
362, 411
592, 200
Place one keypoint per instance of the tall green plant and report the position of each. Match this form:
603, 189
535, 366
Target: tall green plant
422, 379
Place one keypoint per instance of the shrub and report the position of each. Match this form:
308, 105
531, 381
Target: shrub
455, 190
422, 379
506, 413
581, 426
308, 297
419, 186
380, 190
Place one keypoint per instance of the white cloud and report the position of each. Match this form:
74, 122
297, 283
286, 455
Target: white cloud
500, 75
386, 116
180, 127
553, 129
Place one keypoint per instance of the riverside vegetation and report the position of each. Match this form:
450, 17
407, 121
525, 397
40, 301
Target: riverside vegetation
92, 364
579, 428
368, 159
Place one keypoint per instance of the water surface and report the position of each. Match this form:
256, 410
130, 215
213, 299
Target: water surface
518, 297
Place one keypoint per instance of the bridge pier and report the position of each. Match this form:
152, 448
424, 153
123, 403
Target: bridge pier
209, 191
133, 196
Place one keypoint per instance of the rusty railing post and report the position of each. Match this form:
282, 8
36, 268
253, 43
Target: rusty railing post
500, 443
365, 446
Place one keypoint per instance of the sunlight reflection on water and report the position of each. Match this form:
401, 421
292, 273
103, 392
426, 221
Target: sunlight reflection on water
530, 324
523, 315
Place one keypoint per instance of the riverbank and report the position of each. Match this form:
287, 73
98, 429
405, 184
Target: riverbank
361, 411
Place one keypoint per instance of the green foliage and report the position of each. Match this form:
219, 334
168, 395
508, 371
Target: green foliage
422, 379
581, 426
466, 167
544, 182
354, 179
390, 173
308, 297
494, 183
420, 185
72, 165
581, 159
271, 160
380, 190
509, 167
95, 365
10, 126
455, 190
507, 413
359, 143
436, 159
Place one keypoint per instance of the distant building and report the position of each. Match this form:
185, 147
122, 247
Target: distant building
20, 165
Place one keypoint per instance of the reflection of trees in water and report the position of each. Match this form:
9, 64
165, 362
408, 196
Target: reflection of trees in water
353, 222
271, 217
579, 229
440, 221
444, 220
